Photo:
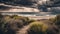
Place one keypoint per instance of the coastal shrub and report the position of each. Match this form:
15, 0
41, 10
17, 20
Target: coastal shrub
42, 28
21, 18
31, 20
15, 17
52, 20
37, 28
56, 20
1, 15
9, 25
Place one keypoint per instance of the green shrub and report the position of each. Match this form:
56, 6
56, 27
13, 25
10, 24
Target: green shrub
37, 28
15, 17
24, 19
56, 20
10, 25
1, 15
52, 20
30, 21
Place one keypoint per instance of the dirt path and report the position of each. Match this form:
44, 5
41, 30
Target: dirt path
23, 30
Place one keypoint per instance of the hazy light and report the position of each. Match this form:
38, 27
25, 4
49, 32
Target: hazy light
47, 15
44, 0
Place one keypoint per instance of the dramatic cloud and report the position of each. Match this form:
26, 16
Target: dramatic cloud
43, 5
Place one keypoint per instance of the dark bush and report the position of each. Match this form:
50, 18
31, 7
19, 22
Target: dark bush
56, 20
11, 24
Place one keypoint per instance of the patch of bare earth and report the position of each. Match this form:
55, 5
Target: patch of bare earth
23, 30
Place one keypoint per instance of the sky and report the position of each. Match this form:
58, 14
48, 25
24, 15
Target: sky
42, 5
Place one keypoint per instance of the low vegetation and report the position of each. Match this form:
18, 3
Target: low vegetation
55, 20
12, 24
37, 28
42, 28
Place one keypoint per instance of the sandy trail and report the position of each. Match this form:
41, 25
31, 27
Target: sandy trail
23, 30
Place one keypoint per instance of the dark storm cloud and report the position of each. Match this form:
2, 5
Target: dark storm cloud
4, 7
42, 5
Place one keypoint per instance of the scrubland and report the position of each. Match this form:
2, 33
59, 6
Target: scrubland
23, 25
